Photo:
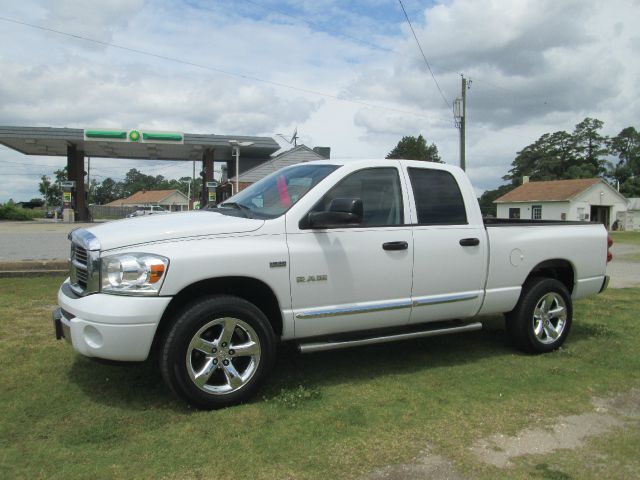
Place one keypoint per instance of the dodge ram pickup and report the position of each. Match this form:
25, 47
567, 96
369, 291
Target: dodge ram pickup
327, 255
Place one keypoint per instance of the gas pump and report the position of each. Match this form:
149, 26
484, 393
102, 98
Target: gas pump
68, 200
211, 192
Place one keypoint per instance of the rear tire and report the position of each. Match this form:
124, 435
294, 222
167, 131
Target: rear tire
218, 352
542, 318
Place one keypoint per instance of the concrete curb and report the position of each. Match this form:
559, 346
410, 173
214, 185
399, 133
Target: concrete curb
34, 268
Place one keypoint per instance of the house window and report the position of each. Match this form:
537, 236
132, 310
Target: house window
536, 212
514, 213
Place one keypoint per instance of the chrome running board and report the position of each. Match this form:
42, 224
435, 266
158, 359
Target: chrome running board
322, 346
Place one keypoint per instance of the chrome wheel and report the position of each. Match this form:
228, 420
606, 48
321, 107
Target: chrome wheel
223, 355
549, 318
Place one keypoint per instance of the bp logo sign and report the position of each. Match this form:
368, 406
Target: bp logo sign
134, 136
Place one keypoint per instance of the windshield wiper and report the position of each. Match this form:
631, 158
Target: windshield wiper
243, 208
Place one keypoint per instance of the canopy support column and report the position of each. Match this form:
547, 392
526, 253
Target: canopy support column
207, 168
75, 172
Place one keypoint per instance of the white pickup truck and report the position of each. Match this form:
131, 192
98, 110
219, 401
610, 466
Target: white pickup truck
326, 254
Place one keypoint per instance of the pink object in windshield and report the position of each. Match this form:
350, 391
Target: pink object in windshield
282, 190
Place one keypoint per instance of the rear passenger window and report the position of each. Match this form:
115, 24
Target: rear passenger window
438, 197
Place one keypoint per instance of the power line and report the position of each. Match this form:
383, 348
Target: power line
377, 46
218, 70
424, 57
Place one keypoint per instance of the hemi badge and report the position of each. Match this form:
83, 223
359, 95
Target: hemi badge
279, 264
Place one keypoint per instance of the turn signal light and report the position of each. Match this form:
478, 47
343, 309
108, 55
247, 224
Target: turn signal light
157, 271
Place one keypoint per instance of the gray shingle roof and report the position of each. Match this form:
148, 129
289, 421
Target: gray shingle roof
299, 154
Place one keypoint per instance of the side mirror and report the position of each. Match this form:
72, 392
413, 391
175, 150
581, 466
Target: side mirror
342, 211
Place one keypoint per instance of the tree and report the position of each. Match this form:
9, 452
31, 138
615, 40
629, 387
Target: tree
591, 146
108, 191
627, 146
412, 148
626, 171
52, 192
487, 207
135, 180
631, 187
561, 155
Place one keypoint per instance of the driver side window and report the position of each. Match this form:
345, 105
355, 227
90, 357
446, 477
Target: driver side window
380, 192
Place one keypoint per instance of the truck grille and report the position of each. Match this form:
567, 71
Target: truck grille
81, 255
84, 260
81, 277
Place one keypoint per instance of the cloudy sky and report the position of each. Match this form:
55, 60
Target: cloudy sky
348, 75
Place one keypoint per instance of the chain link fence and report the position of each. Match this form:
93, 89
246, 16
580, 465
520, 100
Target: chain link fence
108, 212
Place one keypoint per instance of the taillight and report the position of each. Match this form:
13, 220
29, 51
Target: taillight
609, 243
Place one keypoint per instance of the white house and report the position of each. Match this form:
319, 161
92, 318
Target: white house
590, 199
630, 220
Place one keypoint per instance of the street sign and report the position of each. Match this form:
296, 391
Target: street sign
68, 184
212, 196
66, 197
213, 184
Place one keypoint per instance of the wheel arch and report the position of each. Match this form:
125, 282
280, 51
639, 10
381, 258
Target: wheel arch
558, 268
250, 289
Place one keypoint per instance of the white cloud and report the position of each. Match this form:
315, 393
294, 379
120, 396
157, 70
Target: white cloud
536, 66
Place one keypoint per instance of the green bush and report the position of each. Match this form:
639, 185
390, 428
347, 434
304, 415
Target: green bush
11, 212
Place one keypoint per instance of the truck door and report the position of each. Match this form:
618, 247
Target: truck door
450, 246
354, 277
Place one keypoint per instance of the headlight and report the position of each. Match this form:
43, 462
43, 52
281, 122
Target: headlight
133, 273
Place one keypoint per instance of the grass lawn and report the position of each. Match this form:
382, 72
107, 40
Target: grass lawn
630, 238
329, 415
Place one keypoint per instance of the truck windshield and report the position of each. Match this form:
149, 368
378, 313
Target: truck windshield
275, 194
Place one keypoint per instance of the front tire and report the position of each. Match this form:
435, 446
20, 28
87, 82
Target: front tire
218, 352
542, 318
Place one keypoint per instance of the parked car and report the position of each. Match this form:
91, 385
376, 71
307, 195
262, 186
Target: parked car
326, 255
52, 213
142, 210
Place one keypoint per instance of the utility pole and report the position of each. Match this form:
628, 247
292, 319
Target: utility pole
88, 178
460, 114
463, 121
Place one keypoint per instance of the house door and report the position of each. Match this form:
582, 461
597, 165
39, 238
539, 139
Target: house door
600, 214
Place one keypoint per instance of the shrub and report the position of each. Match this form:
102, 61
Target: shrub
10, 212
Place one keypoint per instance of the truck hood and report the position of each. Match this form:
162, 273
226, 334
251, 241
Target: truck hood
158, 228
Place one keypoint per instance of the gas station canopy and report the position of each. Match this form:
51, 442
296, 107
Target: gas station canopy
137, 144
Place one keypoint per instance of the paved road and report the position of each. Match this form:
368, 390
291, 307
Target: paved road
624, 272
46, 240
41, 240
